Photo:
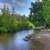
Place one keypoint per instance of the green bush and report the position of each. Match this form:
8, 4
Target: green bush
10, 24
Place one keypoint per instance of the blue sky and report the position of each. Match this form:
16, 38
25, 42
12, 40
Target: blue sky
21, 6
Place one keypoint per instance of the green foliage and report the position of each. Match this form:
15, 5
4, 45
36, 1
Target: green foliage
36, 14
46, 11
10, 23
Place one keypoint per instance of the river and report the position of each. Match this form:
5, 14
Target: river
18, 42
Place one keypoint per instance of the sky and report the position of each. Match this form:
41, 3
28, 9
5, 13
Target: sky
21, 6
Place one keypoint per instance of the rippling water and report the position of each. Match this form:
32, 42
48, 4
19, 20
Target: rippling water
17, 42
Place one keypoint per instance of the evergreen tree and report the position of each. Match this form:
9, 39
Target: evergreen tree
36, 14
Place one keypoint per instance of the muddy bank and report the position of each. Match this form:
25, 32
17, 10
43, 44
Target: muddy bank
41, 41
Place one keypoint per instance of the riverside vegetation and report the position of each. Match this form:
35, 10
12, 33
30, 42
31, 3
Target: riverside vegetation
39, 16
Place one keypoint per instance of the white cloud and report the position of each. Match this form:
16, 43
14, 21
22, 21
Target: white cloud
21, 4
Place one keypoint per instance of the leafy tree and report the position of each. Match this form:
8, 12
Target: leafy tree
46, 11
36, 14
7, 22
4, 20
10, 23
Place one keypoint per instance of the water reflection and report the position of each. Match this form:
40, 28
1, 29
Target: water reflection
42, 44
1, 47
20, 43
17, 42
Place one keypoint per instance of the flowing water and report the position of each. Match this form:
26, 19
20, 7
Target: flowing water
17, 42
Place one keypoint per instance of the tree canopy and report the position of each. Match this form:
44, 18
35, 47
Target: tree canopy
37, 14
12, 23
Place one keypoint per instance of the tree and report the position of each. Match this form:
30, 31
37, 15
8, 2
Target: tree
36, 14
46, 11
7, 22
11, 24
